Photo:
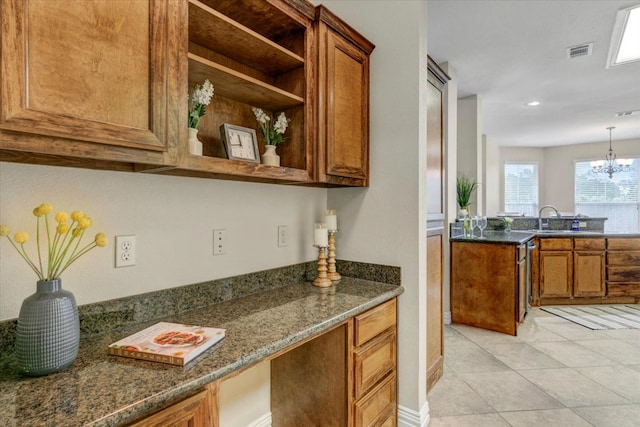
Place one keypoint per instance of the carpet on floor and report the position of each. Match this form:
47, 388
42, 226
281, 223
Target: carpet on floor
599, 317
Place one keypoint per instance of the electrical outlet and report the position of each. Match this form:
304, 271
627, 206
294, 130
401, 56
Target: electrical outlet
125, 251
219, 242
283, 235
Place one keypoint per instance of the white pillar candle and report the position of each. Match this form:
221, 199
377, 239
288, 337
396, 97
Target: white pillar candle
332, 220
320, 235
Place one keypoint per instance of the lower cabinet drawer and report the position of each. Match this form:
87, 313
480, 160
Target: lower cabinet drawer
374, 361
375, 321
377, 406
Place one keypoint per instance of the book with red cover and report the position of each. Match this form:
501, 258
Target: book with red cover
166, 342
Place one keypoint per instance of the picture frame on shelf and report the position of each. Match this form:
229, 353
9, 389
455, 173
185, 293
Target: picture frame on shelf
240, 143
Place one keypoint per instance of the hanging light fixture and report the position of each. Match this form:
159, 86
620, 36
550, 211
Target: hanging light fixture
610, 165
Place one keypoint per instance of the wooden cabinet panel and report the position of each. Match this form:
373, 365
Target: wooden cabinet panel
374, 361
375, 321
623, 274
343, 102
622, 289
522, 289
556, 273
556, 244
589, 244
435, 338
435, 200
377, 406
623, 258
623, 244
199, 410
102, 76
588, 270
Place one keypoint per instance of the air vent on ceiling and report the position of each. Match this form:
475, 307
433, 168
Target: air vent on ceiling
585, 49
628, 113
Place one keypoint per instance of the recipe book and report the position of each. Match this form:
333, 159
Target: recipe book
165, 342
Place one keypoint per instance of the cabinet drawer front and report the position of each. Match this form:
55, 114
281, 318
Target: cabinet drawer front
623, 289
559, 244
375, 321
624, 244
626, 258
377, 406
589, 244
623, 274
374, 361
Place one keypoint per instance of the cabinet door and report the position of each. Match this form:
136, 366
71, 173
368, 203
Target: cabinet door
588, 270
343, 102
556, 272
198, 410
522, 289
94, 71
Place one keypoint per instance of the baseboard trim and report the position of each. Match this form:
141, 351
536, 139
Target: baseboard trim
263, 421
447, 317
410, 418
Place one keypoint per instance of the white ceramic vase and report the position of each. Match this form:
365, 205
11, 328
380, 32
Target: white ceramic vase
270, 158
195, 146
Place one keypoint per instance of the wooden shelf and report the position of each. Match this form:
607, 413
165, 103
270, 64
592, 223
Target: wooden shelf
240, 87
244, 170
215, 31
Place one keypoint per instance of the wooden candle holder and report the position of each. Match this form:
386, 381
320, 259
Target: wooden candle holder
322, 280
332, 274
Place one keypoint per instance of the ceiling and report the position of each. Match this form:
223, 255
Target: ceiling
510, 52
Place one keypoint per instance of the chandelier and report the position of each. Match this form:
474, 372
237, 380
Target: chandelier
610, 165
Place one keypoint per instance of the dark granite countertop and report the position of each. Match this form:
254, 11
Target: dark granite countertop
104, 390
499, 237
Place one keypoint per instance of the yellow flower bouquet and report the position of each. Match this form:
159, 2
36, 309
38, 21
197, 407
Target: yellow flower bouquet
63, 242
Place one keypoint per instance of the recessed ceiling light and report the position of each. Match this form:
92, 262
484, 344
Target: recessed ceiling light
532, 104
624, 47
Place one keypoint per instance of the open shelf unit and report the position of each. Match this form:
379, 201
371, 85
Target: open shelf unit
256, 54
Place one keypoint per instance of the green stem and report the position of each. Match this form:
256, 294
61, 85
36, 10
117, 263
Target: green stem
82, 252
24, 256
56, 270
38, 243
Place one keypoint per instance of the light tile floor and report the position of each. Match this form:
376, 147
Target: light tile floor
554, 373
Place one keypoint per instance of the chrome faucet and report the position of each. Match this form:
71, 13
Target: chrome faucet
540, 215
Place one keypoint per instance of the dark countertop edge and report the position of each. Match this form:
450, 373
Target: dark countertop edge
518, 237
173, 394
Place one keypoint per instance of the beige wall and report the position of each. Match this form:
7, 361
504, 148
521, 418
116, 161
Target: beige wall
491, 173
556, 167
470, 146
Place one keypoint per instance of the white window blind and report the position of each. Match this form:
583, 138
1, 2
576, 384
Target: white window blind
616, 198
521, 188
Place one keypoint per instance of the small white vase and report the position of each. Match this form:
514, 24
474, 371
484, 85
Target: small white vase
462, 213
270, 158
195, 146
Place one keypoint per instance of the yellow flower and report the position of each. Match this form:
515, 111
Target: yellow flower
38, 211
4, 230
21, 237
84, 222
77, 215
62, 217
46, 208
101, 240
62, 228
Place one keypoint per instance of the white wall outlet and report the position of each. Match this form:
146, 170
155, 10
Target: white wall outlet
125, 251
219, 242
283, 235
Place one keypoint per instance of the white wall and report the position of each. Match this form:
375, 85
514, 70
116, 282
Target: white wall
470, 146
556, 167
386, 222
491, 171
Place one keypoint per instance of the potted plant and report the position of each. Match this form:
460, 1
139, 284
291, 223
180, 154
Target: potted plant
272, 134
464, 190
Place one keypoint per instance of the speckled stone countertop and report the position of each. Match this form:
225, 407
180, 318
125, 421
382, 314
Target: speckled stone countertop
104, 390
498, 237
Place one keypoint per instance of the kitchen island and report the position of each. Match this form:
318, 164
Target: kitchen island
104, 390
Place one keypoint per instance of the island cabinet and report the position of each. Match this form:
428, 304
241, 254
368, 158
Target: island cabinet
588, 267
623, 267
92, 84
556, 267
487, 287
345, 377
343, 101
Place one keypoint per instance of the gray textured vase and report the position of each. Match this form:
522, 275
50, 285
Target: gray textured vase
48, 332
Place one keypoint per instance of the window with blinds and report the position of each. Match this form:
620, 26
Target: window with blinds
521, 188
616, 198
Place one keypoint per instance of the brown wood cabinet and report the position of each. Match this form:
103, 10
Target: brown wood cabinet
485, 285
623, 267
109, 88
351, 370
199, 410
100, 88
556, 267
436, 80
343, 101
588, 267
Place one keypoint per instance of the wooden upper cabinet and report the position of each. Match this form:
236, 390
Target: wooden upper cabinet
97, 72
342, 102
